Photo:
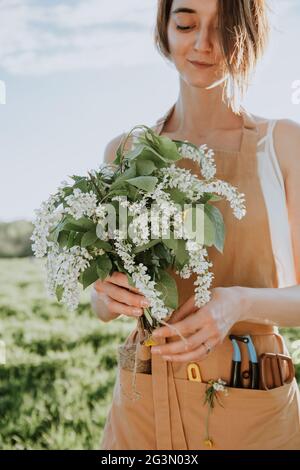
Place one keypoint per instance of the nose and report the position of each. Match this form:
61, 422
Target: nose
203, 41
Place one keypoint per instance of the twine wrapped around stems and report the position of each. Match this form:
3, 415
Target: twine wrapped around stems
135, 356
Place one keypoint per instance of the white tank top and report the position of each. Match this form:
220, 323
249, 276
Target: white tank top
275, 198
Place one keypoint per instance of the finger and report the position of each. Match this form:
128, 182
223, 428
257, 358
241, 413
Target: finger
185, 327
121, 279
197, 354
193, 342
124, 296
119, 308
185, 309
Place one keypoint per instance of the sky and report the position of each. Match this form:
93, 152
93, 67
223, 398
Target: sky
79, 72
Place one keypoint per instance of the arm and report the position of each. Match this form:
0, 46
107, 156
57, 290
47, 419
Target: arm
282, 306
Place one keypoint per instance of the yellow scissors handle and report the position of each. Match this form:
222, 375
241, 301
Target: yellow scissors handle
193, 371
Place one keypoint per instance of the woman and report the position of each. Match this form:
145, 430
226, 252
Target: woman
215, 46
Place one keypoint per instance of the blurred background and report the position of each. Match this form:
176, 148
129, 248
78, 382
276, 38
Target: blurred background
73, 75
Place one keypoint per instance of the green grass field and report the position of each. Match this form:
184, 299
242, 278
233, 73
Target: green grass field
56, 385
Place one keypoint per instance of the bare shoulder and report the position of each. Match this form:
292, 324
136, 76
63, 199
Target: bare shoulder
286, 139
287, 145
112, 147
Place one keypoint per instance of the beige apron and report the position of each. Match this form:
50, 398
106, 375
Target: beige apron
170, 413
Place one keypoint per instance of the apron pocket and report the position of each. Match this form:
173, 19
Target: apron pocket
132, 425
249, 419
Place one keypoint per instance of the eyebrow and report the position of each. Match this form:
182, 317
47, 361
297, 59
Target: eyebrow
183, 10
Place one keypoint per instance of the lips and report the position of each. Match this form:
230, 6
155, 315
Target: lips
200, 63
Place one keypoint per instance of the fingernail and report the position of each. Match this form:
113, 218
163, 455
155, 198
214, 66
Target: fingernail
145, 303
137, 311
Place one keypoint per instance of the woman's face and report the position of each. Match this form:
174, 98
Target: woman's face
197, 41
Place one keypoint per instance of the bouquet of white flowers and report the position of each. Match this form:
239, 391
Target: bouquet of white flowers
136, 215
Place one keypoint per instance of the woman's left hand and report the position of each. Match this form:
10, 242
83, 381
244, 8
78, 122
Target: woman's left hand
203, 328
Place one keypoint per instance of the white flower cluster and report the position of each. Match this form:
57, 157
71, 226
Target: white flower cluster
46, 218
141, 279
194, 188
235, 199
199, 265
63, 270
80, 204
201, 155
163, 213
219, 386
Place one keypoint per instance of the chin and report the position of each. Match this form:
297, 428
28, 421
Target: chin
200, 81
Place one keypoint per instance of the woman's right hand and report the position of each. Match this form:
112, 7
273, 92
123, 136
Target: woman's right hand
115, 296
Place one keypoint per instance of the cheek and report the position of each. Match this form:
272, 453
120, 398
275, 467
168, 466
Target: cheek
179, 44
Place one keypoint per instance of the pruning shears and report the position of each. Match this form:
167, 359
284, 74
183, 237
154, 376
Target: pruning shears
236, 376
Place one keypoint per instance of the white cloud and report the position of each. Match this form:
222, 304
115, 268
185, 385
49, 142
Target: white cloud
39, 38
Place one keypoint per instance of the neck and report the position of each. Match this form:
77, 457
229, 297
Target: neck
199, 111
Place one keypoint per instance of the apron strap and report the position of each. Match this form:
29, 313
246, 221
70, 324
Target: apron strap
167, 415
250, 134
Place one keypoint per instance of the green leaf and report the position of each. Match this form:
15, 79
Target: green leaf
149, 153
89, 238
59, 292
215, 197
209, 230
168, 149
63, 238
55, 231
168, 287
117, 159
210, 197
148, 316
177, 196
182, 255
194, 220
71, 239
79, 225
123, 177
77, 238
172, 242
104, 266
146, 183
90, 275
82, 184
119, 192
145, 167
135, 152
217, 219
104, 245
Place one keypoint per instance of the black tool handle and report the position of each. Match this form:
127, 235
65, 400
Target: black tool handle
235, 380
254, 379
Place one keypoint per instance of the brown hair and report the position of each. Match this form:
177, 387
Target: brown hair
243, 35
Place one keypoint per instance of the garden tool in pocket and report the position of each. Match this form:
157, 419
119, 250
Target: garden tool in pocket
252, 374
193, 372
275, 363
